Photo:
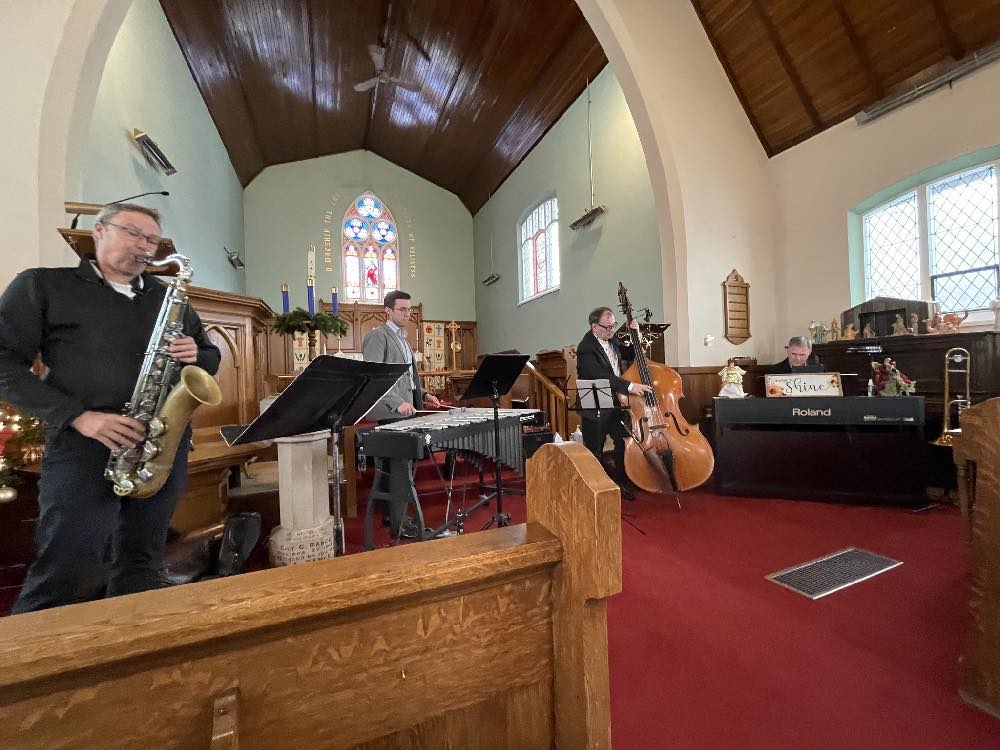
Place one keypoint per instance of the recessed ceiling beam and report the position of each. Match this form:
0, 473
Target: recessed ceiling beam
878, 91
951, 43
786, 63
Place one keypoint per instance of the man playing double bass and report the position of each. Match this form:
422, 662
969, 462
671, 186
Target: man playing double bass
600, 356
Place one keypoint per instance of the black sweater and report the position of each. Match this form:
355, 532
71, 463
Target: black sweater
91, 338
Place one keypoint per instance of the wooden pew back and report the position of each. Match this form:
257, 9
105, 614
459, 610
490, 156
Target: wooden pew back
493, 639
977, 460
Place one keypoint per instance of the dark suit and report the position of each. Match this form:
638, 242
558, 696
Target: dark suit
593, 364
785, 367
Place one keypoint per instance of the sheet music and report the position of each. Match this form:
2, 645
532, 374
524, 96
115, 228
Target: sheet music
585, 390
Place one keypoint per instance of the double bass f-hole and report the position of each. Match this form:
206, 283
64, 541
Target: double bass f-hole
682, 430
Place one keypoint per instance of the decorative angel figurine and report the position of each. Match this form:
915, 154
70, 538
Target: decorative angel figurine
914, 324
850, 333
933, 323
732, 380
834, 330
889, 381
868, 332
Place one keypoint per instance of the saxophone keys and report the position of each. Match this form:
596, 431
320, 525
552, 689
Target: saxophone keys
150, 449
156, 427
143, 475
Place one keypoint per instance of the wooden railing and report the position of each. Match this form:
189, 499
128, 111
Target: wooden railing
550, 398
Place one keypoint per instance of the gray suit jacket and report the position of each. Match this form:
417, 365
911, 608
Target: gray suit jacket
384, 345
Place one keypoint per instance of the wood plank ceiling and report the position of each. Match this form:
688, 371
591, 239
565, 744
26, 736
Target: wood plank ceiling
801, 66
486, 79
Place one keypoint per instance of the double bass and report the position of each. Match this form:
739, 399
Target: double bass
663, 453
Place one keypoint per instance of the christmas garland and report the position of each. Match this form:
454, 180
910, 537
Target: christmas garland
19, 434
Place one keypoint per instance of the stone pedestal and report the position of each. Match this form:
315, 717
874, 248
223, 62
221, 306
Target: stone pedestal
307, 531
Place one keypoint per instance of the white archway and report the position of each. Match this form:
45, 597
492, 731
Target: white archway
611, 31
53, 56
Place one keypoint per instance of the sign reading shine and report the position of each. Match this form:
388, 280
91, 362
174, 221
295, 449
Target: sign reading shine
803, 384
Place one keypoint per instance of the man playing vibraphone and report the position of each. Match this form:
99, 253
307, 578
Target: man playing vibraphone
388, 344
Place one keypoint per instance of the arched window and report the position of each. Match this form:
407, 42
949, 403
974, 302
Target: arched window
371, 255
539, 237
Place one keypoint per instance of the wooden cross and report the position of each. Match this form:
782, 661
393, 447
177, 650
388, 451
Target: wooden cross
455, 346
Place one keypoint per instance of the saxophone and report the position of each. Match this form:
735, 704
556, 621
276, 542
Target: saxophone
141, 471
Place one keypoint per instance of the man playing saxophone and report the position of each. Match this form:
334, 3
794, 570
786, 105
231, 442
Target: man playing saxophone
91, 325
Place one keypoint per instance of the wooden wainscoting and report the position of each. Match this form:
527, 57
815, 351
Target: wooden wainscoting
489, 639
702, 384
238, 325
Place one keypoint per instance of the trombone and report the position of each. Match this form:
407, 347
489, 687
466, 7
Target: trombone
957, 361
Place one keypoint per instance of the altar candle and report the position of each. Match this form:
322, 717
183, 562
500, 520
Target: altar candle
310, 297
284, 298
334, 305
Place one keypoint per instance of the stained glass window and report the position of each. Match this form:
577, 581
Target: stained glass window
539, 237
938, 242
371, 252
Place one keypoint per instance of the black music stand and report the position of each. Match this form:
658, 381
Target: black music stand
494, 378
588, 403
330, 393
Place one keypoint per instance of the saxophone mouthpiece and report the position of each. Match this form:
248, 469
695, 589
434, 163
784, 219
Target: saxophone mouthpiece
146, 260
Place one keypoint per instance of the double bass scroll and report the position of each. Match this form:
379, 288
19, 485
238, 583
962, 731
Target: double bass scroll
663, 453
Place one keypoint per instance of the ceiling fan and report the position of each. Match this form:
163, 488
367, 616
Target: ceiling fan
377, 54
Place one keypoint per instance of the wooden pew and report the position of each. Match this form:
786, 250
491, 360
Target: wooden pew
495, 639
977, 461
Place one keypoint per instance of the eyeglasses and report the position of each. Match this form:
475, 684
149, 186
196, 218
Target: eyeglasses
152, 239
605, 327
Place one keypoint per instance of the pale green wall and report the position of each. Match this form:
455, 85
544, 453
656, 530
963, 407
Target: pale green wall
284, 209
147, 85
623, 244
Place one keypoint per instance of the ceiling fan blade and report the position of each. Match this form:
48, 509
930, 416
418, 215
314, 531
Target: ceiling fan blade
377, 55
366, 85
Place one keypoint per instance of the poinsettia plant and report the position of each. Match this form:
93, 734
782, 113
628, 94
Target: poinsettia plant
300, 321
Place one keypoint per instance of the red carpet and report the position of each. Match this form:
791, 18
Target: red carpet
706, 653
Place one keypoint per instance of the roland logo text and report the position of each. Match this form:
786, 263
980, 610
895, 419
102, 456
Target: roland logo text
797, 412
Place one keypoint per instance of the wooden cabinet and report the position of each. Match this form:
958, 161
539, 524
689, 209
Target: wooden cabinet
921, 358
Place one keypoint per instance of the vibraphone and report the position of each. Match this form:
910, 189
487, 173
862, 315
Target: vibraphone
468, 431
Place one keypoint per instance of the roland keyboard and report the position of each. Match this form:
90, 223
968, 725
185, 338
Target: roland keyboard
856, 411
854, 449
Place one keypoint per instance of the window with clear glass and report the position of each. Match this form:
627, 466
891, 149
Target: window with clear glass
539, 238
371, 253
938, 242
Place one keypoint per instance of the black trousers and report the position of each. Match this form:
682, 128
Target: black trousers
594, 433
83, 527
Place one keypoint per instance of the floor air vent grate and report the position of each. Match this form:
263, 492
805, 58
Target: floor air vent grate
820, 577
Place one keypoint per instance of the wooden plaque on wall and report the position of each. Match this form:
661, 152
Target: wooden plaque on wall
736, 304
